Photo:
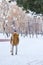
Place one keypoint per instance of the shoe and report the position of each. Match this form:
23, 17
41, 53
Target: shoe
11, 53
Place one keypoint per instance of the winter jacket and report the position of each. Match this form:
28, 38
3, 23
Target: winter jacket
14, 39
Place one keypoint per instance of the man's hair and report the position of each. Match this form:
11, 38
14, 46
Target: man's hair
15, 31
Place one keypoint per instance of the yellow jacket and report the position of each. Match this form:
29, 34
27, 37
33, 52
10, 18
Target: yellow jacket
14, 39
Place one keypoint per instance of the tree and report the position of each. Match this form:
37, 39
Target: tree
33, 5
4, 8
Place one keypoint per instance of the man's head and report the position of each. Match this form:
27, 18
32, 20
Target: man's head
15, 31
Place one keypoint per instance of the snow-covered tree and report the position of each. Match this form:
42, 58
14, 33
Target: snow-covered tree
13, 17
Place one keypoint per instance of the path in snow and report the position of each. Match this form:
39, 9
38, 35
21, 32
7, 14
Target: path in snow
30, 52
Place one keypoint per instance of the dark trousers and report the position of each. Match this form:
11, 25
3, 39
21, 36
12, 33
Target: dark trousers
15, 50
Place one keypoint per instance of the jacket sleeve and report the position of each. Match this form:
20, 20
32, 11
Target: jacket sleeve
18, 38
11, 40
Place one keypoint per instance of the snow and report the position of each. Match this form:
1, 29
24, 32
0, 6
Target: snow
30, 51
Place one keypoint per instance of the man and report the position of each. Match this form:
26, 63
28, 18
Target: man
14, 41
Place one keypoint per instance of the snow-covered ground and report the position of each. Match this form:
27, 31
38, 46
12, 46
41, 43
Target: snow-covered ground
30, 51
